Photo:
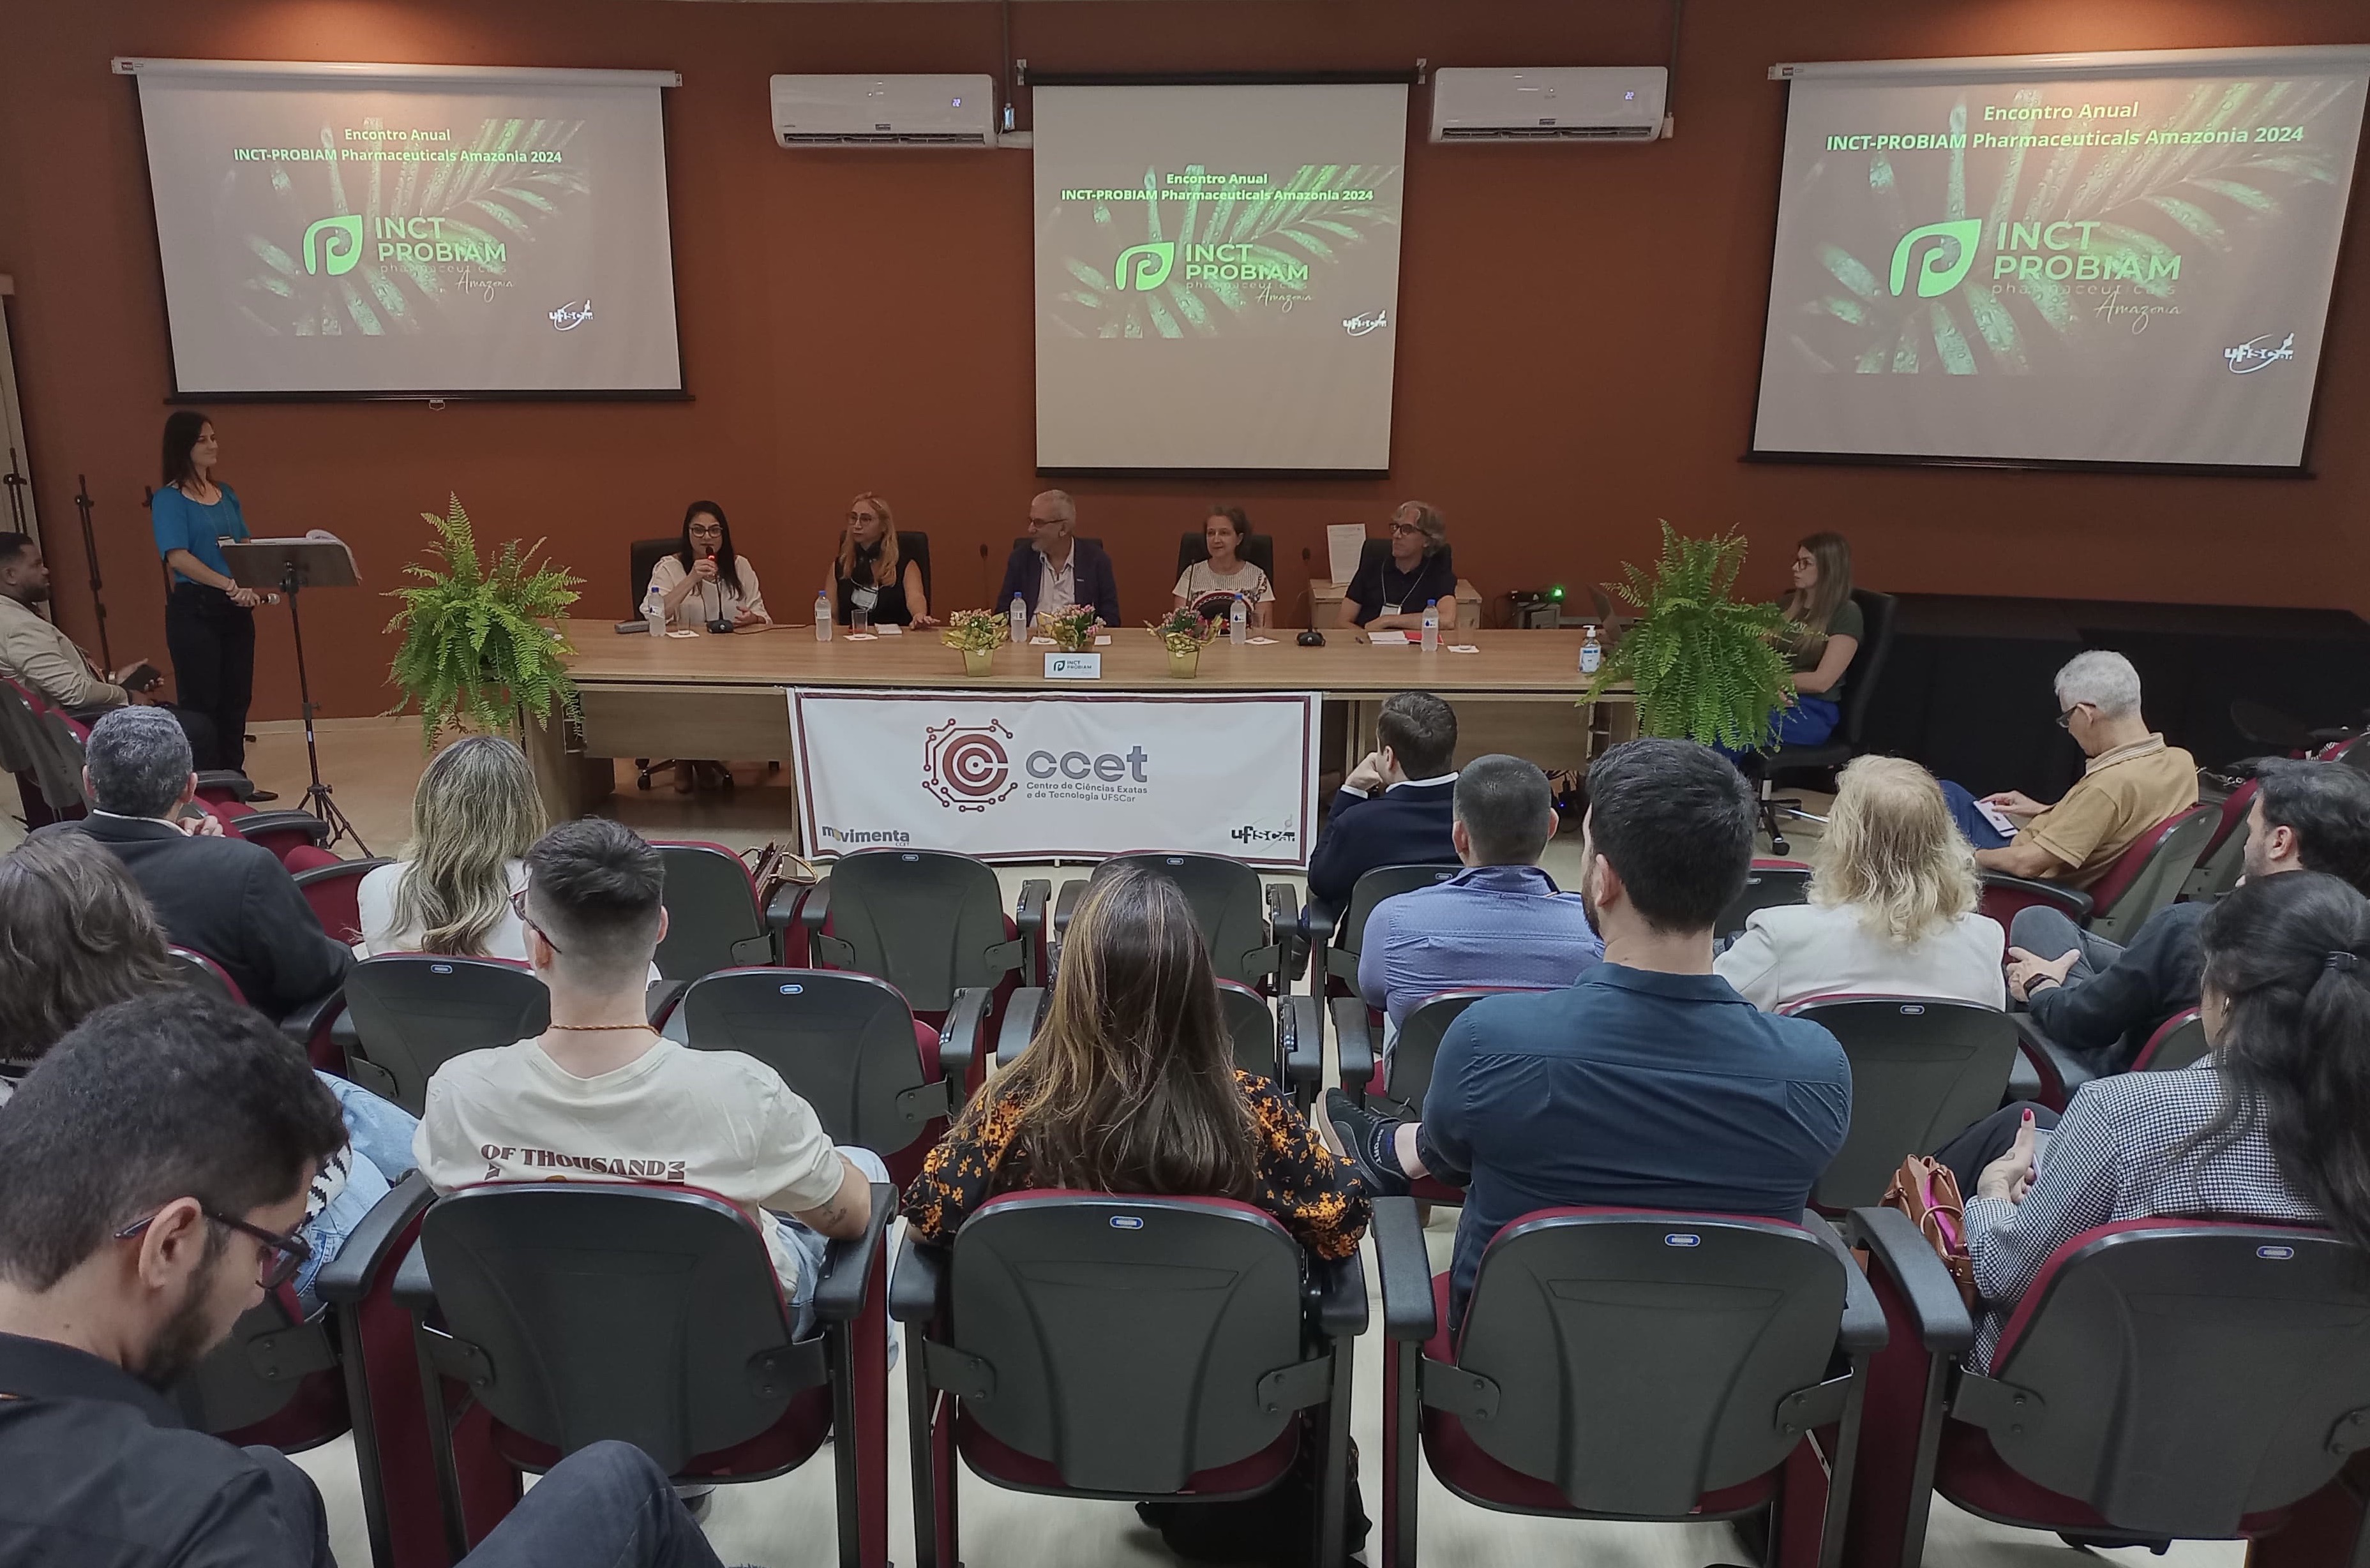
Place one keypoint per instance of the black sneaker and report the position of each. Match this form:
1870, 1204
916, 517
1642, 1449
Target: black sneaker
1368, 1139
254, 795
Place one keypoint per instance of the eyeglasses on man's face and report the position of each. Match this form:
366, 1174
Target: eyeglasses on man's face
282, 1257
518, 907
1403, 529
2066, 718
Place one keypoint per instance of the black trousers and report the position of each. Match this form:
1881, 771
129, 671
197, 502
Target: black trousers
1967, 1154
211, 642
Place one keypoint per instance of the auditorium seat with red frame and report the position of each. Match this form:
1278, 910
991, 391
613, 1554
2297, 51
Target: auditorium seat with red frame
2139, 882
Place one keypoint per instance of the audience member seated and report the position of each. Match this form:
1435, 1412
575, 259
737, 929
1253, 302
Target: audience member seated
1397, 807
600, 1089
1391, 589
2268, 1128
1131, 1087
867, 574
1053, 571
1211, 586
2099, 1002
157, 1165
42, 657
1501, 921
224, 897
1891, 910
1650, 1083
2131, 782
474, 815
75, 936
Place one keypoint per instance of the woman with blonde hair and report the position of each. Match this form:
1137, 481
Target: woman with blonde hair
1891, 910
868, 573
474, 814
1131, 1087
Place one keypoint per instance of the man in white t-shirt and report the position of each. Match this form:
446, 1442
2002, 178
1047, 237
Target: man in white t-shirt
600, 1096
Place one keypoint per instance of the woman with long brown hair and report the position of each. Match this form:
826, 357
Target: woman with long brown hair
869, 575
1828, 629
75, 935
1131, 1087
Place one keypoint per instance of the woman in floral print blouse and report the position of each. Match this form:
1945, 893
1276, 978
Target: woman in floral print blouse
1131, 1087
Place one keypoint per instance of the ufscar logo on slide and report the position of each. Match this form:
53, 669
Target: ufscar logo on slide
336, 241
1372, 321
1942, 269
1151, 267
2259, 353
965, 766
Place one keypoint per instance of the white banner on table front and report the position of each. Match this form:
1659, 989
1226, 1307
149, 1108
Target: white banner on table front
1018, 776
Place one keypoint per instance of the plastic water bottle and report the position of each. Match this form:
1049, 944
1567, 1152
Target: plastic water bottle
654, 613
1592, 653
1432, 625
1019, 622
823, 617
1238, 622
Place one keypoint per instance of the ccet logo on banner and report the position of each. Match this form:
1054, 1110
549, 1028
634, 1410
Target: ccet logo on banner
966, 767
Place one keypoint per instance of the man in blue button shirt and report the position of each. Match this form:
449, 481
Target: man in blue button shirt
1500, 922
1650, 1083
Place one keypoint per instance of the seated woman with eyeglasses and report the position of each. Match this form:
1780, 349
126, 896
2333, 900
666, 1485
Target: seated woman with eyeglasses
868, 573
704, 580
1391, 589
76, 935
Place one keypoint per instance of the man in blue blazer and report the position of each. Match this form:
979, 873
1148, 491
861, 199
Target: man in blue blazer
1398, 808
1054, 569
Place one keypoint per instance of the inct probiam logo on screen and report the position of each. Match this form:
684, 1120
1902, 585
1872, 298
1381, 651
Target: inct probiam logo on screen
336, 241
966, 767
1151, 269
1942, 271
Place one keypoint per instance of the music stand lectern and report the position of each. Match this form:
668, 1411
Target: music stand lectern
288, 567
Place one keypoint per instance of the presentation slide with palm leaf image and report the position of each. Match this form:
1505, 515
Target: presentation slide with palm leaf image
331, 237
1217, 275
2124, 263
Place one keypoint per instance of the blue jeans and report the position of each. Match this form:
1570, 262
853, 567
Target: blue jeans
1806, 721
379, 1132
811, 1245
1979, 832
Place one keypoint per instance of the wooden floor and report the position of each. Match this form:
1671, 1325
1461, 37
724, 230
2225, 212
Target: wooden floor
787, 1523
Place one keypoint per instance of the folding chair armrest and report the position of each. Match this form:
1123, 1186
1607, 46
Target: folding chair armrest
1283, 931
1337, 1286
1029, 923
2053, 1093
1020, 1017
813, 907
847, 1263
2074, 903
963, 1035
1303, 1020
917, 1285
1405, 1270
227, 782
1318, 920
1896, 1246
1353, 1042
661, 1001
255, 822
789, 900
307, 1021
347, 1277
1863, 1330
414, 1291
1066, 904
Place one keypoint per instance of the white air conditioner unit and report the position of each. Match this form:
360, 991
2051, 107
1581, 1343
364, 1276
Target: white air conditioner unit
884, 111
1574, 103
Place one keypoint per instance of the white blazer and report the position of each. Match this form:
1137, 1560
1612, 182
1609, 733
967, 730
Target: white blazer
1787, 953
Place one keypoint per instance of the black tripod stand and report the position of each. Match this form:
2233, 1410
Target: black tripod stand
316, 793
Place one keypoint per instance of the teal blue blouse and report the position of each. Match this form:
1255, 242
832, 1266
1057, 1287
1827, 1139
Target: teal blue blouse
182, 524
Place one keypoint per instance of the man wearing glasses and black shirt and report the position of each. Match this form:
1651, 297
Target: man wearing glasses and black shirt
156, 1164
1392, 585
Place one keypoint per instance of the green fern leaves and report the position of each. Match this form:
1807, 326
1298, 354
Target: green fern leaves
476, 651
1705, 666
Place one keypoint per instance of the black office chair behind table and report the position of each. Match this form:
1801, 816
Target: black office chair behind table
1876, 613
643, 559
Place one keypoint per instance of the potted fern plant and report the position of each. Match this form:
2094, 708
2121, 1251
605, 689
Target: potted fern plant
477, 653
1705, 666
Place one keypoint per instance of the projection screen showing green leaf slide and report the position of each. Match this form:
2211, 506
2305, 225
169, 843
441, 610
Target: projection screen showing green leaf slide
2118, 258
1217, 275
333, 229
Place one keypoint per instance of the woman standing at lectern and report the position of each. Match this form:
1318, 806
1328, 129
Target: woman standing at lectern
209, 620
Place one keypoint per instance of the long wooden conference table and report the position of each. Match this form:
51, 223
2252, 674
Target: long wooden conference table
727, 696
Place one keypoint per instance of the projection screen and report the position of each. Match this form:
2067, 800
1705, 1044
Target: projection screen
2121, 259
1217, 275
375, 230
